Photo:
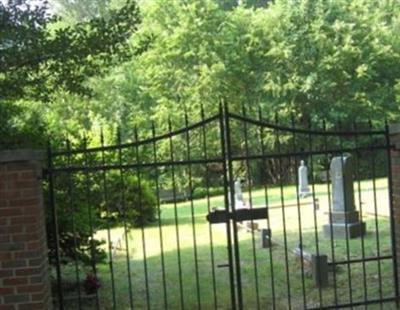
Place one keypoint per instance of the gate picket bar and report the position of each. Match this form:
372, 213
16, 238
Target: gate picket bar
191, 251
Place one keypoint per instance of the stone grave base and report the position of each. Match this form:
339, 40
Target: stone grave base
345, 217
354, 230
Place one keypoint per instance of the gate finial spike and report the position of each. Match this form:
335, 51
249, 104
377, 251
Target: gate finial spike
136, 134
101, 136
226, 106
370, 123
118, 135
185, 111
292, 119
68, 145
186, 118
309, 122
341, 126
66, 140
169, 124
85, 140
49, 151
324, 125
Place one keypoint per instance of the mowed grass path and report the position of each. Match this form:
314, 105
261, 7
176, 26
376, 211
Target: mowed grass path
199, 283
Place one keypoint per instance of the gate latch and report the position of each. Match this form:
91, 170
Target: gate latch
239, 215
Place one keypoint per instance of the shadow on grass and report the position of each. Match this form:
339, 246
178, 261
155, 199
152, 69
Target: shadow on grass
181, 220
188, 282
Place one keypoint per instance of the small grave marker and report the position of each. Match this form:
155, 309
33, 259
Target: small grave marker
304, 189
316, 264
265, 235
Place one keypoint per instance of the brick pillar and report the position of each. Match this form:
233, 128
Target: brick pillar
24, 270
395, 159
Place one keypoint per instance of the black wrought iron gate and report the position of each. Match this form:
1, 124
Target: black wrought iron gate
160, 223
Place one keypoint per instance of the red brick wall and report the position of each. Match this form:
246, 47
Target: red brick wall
24, 279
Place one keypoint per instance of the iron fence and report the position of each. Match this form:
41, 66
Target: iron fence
158, 223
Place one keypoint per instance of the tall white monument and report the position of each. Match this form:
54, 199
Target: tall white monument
239, 202
304, 189
345, 221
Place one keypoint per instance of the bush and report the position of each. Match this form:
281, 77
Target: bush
201, 192
131, 202
75, 224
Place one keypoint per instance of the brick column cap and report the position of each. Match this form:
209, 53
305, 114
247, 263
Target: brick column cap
21, 155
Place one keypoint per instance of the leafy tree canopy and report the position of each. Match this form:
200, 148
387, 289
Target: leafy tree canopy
313, 58
35, 61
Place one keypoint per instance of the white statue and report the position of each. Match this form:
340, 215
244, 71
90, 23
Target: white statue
304, 190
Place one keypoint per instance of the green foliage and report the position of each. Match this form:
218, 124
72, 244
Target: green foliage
130, 200
202, 192
315, 59
85, 204
335, 59
21, 125
35, 62
44, 68
319, 59
83, 10
40, 62
331, 60
77, 222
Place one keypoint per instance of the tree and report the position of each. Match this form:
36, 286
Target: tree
35, 62
332, 60
319, 59
38, 63
335, 59
21, 126
82, 210
83, 10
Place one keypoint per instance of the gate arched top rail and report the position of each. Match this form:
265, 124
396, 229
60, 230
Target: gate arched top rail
140, 142
304, 131
204, 122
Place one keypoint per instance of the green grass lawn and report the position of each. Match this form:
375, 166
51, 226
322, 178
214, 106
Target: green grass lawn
202, 278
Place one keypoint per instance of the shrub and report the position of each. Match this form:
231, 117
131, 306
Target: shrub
79, 217
131, 200
201, 192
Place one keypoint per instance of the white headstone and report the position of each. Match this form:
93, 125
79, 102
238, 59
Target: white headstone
345, 221
239, 203
342, 183
304, 190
